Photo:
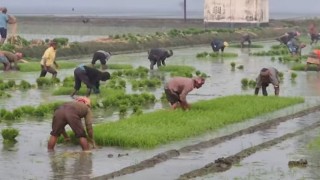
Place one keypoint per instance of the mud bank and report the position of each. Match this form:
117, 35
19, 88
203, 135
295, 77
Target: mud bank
221, 164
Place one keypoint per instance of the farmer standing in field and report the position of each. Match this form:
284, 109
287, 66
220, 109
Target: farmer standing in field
90, 77
102, 56
313, 32
4, 21
218, 45
71, 113
158, 56
48, 60
177, 89
12, 58
267, 76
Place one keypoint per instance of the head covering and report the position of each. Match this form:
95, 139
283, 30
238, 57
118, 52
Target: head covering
199, 80
19, 55
264, 72
104, 76
225, 43
83, 99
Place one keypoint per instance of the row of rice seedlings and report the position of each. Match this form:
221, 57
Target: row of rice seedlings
163, 126
301, 67
116, 83
177, 70
201, 74
11, 84
140, 72
146, 83
39, 111
278, 46
114, 66
45, 81
272, 52
293, 75
4, 94
35, 66
251, 46
233, 65
9, 134
245, 82
216, 55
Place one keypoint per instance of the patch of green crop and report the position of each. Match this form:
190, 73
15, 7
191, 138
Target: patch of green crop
163, 126
35, 66
9, 134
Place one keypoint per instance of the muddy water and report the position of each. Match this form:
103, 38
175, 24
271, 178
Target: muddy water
31, 161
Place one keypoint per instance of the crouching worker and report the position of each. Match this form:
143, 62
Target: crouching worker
267, 76
71, 113
12, 58
177, 88
158, 56
90, 77
102, 56
295, 47
218, 45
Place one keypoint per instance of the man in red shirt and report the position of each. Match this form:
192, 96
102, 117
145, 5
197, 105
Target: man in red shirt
177, 89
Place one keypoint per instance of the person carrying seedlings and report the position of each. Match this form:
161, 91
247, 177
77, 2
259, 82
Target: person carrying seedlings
267, 76
48, 60
102, 56
158, 56
71, 113
218, 45
177, 89
90, 77
12, 58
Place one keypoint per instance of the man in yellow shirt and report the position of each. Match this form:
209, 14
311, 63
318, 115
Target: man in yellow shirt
48, 61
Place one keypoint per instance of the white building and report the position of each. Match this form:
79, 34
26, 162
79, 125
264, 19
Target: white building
236, 11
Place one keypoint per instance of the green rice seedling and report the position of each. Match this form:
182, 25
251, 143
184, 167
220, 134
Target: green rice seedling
198, 73
233, 65
9, 116
252, 83
35, 66
45, 81
11, 83
123, 109
136, 110
18, 113
240, 67
24, 84
281, 75
9, 134
2, 112
164, 126
293, 75
202, 55
28, 110
244, 82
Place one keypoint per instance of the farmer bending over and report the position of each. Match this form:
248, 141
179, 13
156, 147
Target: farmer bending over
218, 45
12, 58
158, 56
177, 89
71, 113
267, 76
102, 56
90, 77
246, 38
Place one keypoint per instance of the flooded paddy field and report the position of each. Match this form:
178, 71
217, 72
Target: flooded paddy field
30, 160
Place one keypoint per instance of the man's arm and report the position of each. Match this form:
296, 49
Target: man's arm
88, 122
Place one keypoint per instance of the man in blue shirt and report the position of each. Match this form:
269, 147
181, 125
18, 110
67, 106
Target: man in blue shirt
4, 18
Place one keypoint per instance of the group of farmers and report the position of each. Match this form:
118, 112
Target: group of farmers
176, 89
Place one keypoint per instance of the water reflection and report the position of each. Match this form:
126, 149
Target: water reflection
80, 167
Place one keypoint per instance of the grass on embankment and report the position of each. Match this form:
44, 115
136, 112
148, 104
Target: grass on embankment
152, 129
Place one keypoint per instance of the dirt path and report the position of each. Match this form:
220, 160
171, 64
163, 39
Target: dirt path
224, 163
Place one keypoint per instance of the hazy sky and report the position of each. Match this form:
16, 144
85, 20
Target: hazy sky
42, 6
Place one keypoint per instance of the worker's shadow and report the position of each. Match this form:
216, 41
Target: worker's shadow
71, 165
